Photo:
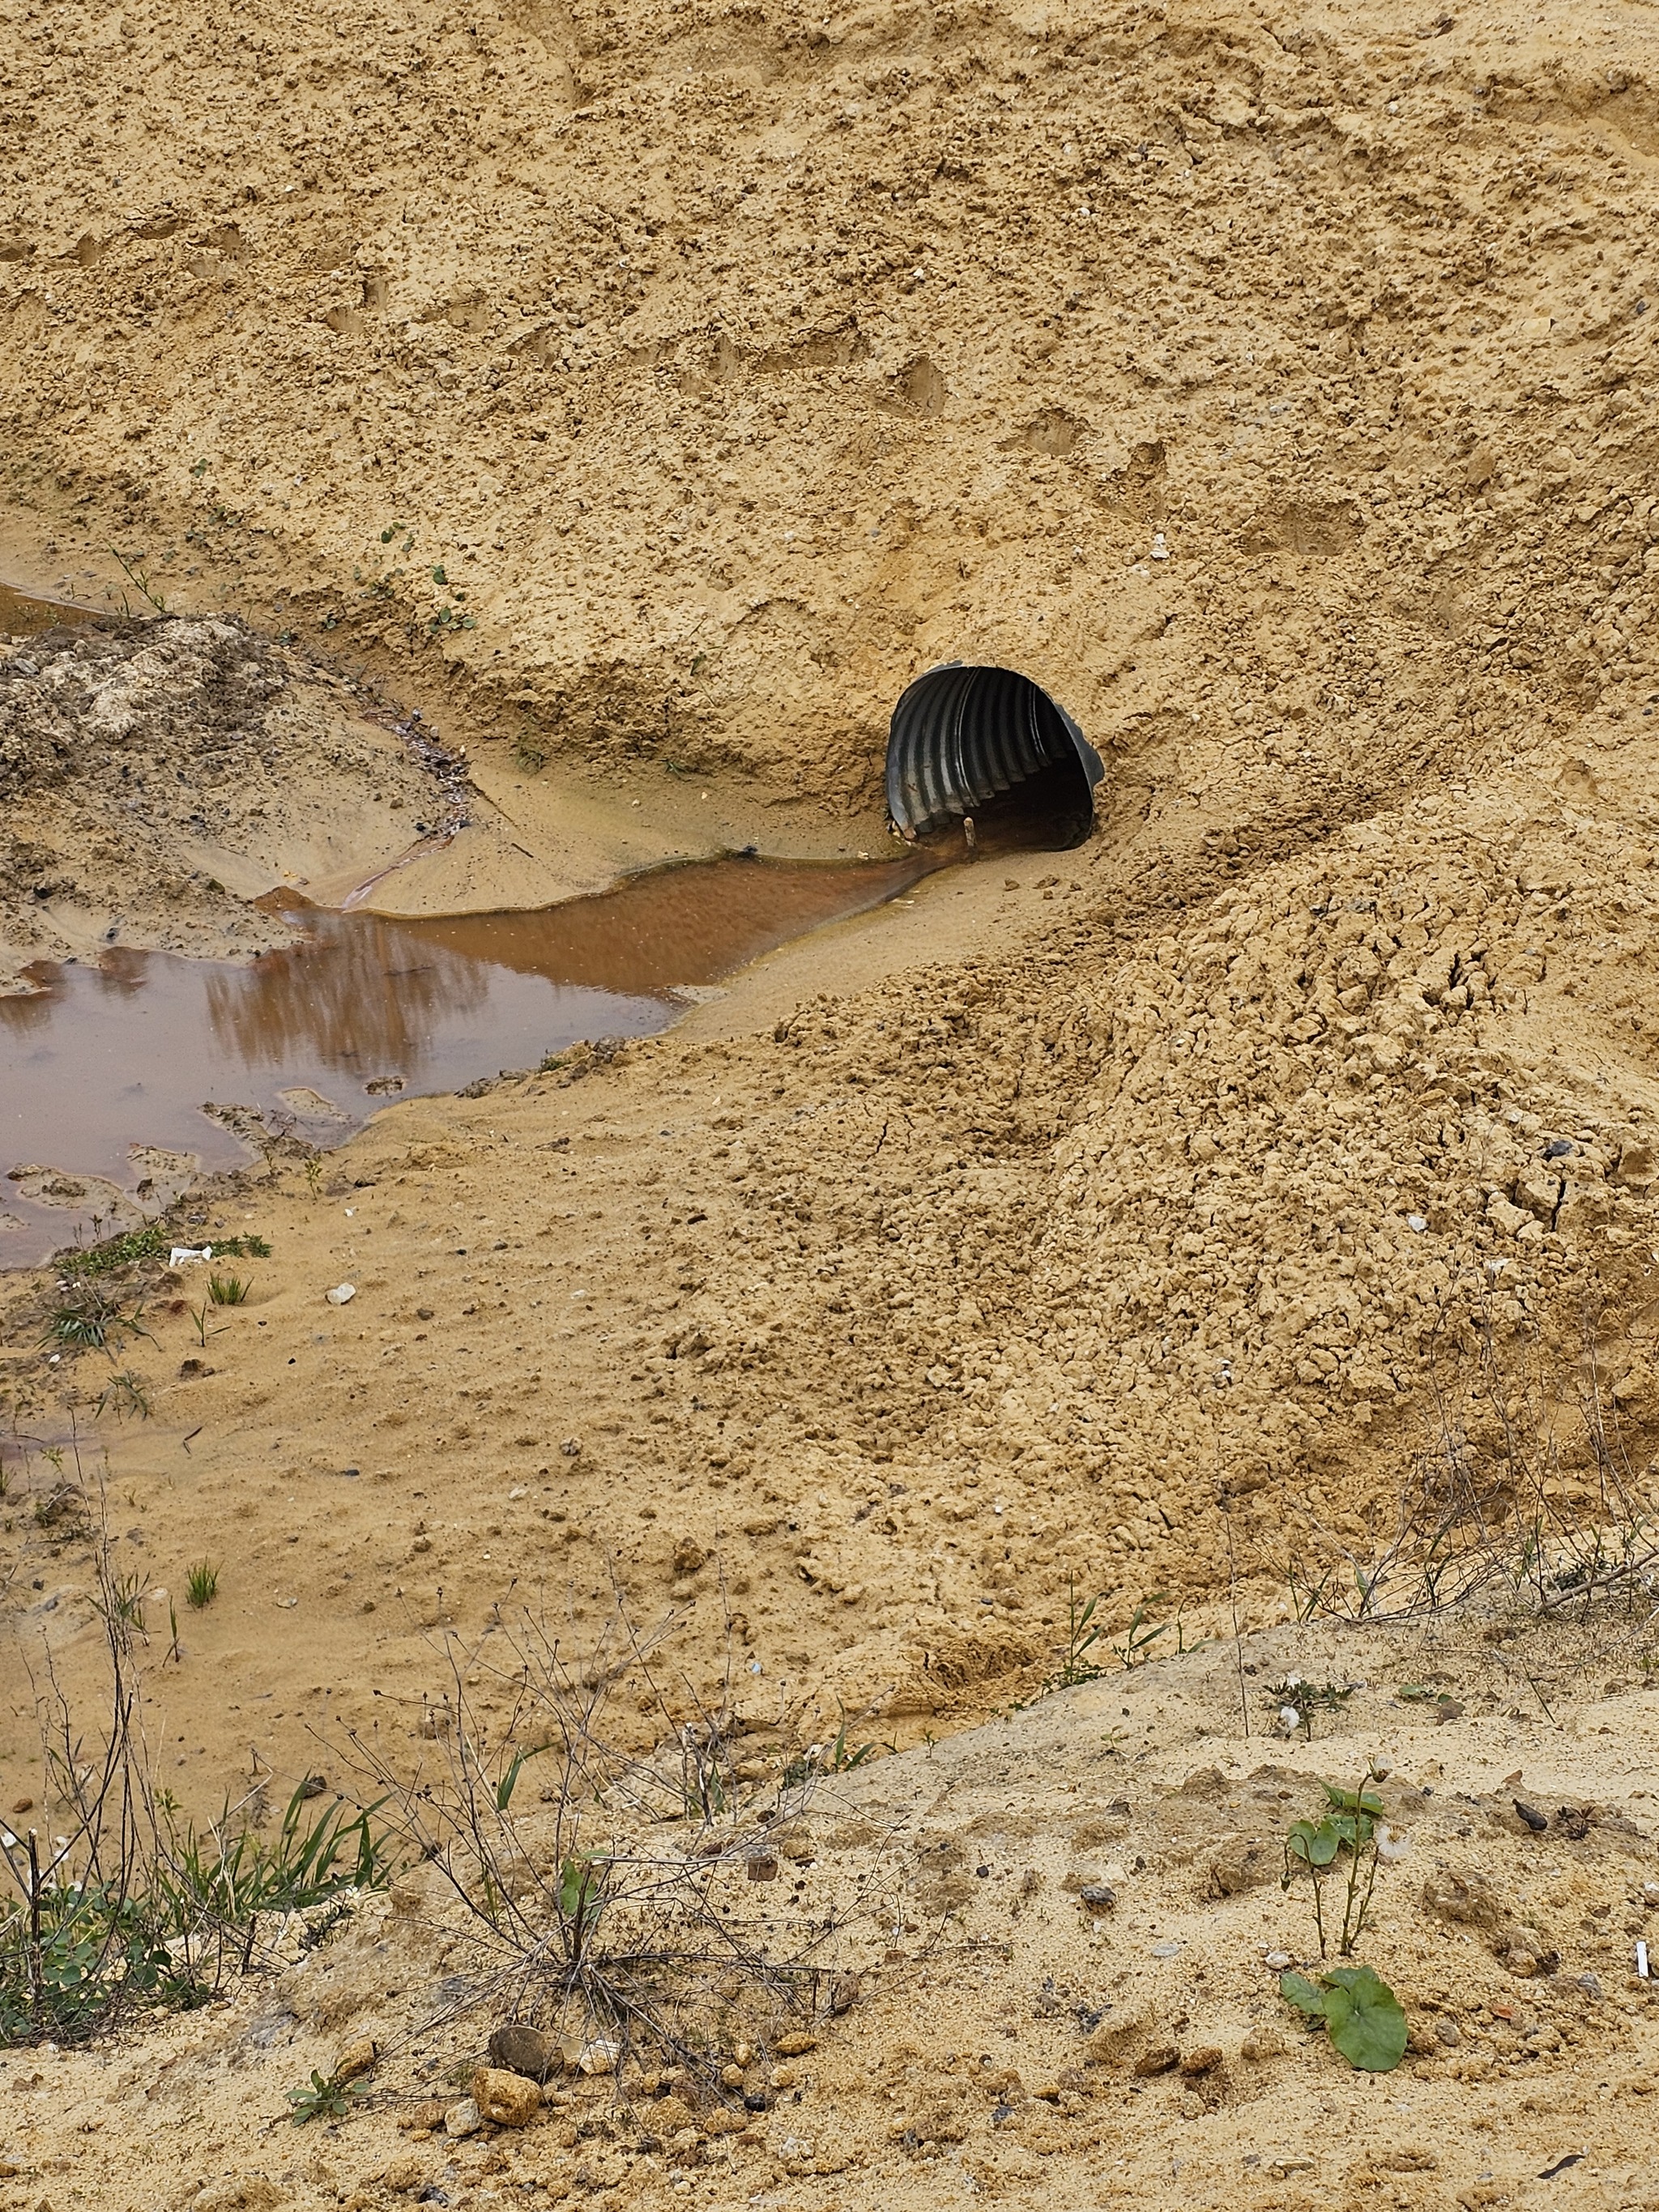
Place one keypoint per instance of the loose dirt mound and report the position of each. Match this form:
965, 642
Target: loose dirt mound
154, 775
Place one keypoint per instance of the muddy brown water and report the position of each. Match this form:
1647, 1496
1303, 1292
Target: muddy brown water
23, 616
103, 1059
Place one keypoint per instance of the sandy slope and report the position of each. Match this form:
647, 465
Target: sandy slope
723, 368
1120, 1245
1004, 2043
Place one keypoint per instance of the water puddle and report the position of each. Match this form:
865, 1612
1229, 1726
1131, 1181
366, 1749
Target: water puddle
23, 616
106, 1068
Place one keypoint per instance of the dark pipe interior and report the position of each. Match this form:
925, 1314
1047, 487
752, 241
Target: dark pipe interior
973, 744
1049, 812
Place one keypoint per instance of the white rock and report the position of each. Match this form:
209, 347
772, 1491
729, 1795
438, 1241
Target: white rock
342, 1294
462, 2119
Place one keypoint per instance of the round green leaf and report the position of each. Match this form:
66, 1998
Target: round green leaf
1297, 1989
1367, 2021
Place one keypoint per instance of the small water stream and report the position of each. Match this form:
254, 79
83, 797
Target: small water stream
103, 1059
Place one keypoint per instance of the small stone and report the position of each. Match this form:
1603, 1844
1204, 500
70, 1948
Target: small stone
1279, 1962
598, 2057
795, 2046
237, 2192
356, 2058
511, 2101
1160, 2059
1534, 1819
426, 2118
1446, 2032
1520, 1962
1097, 1898
407, 2173
1205, 2060
532, 2051
1263, 2043
342, 1294
463, 2119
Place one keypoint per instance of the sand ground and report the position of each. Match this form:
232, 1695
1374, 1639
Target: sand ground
644, 395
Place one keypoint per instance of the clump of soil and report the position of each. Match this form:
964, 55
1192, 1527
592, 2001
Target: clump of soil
157, 774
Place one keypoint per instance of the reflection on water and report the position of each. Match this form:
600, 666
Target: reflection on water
358, 998
127, 1052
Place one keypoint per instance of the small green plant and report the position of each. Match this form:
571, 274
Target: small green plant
122, 1602
88, 1318
1313, 1849
1366, 2020
1142, 1634
228, 1289
581, 1898
314, 1174
139, 579
325, 2096
1083, 1633
1306, 1597
198, 1315
127, 1251
838, 1757
1303, 1699
125, 1394
201, 1585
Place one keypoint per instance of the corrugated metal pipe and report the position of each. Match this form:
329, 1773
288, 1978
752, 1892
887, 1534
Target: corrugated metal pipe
962, 735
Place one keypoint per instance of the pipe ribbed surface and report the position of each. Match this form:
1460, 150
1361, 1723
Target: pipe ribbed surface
962, 735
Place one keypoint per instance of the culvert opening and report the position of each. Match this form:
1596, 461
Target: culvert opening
988, 746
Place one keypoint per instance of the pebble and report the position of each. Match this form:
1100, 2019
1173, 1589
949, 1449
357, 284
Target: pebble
463, 2119
518, 2048
1279, 1962
511, 2101
1096, 1897
342, 1294
356, 2058
1263, 2043
1160, 2059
